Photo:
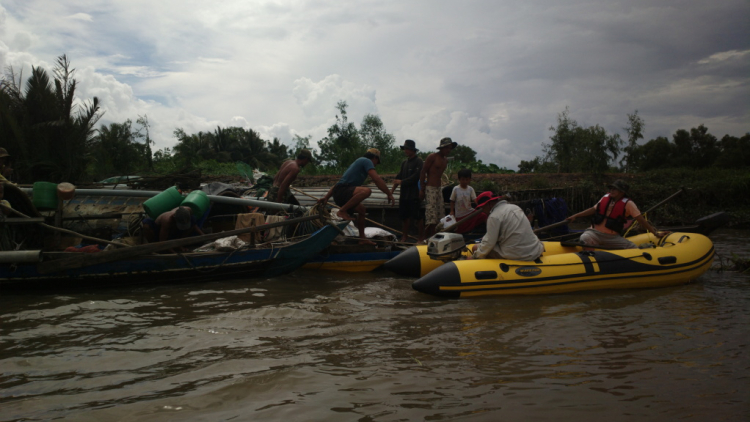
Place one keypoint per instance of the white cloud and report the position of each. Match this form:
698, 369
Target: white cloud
492, 75
723, 56
81, 17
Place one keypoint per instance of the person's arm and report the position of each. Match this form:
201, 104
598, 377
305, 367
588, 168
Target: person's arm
284, 186
489, 240
395, 184
414, 178
380, 183
584, 213
324, 200
424, 174
453, 202
643, 222
164, 230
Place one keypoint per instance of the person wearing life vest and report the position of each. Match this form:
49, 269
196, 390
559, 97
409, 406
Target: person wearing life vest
609, 218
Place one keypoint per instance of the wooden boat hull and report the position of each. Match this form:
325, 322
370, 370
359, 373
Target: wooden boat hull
675, 259
170, 268
351, 258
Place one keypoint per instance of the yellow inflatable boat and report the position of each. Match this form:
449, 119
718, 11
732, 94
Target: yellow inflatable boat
675, 259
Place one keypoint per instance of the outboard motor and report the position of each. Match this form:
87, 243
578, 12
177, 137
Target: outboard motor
446, 246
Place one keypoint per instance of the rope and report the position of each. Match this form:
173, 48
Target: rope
309, 227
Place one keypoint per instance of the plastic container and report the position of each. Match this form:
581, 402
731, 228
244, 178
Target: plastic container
163, 202
45, 195
198, 201
65, 191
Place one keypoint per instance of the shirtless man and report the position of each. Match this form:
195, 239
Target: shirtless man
349, 193
287, 174
433, 169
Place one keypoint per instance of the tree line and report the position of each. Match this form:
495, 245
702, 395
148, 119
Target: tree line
577, 149
52, 136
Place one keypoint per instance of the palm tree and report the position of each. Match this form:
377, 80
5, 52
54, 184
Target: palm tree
48, 136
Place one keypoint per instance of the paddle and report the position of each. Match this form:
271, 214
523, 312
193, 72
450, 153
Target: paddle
664, 201
466, 218
552, 226
80, 261
653, 208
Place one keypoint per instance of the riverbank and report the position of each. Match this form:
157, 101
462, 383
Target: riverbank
704, 191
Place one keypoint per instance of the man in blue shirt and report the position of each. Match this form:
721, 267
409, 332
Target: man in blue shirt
349, 193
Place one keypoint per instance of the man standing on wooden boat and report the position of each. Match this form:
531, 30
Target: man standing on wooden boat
409, 204
431, 181
287, 174
509, 234
610, 215
349, 193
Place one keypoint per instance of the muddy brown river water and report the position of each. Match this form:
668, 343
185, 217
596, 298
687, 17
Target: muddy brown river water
366, 347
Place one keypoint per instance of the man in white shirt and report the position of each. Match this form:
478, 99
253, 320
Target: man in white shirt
509, 233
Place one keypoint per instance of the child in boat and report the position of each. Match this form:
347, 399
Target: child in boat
462, 197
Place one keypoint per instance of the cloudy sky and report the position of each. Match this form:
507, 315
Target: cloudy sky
491, 74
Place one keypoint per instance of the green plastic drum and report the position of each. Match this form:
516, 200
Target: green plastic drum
198, 201
45, 195
163, 202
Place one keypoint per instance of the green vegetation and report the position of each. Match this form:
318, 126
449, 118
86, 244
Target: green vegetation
575, 149
49, 136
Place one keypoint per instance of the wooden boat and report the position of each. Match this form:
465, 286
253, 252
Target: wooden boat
672, 260
41, 269
352, 258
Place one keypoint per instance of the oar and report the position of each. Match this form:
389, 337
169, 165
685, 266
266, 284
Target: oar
86, 260
552, 226
664, 201
466, 218
66, 231
655, 207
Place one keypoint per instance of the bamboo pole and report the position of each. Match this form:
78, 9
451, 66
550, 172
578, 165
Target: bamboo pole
66, 231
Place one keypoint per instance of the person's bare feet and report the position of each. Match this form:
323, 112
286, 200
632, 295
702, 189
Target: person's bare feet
344, 215
404, 240
366, 242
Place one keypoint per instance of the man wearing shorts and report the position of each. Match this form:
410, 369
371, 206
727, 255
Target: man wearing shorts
610, 215
430, 178
349, 193
409, 204
280, 190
